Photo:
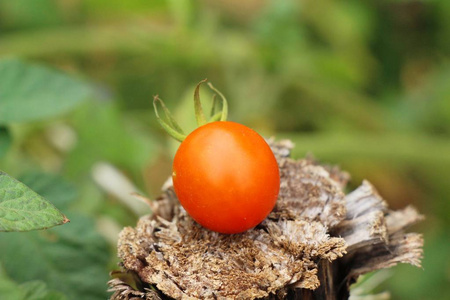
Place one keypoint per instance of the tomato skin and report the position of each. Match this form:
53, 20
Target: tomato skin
226, 177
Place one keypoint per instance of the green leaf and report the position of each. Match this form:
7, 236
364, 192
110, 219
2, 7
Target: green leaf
38, 290
29, 92
8, 288
22, 209
32, 290
71, 259
5, 140
52, 187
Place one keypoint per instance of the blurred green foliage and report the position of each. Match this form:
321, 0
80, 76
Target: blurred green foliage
361, 84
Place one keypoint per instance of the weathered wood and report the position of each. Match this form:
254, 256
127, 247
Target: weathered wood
314, 244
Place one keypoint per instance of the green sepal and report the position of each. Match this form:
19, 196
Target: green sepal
215, 117
199, 115
171, 126
224, 112
170, 119
213, 106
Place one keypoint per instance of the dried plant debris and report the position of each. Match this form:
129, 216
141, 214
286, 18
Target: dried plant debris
123, 291
307, 192
314, 244
186, 261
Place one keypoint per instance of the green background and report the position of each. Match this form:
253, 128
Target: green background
361, 84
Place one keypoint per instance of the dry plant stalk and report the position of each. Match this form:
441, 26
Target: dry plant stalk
314, 244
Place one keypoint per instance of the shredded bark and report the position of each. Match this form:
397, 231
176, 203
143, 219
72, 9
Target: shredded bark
123, 291
186, 261
307, 192
364, 222
313, 245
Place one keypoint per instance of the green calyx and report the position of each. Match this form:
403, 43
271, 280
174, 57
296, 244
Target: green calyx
171, 126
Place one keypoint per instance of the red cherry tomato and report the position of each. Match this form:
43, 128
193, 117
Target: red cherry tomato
226, 177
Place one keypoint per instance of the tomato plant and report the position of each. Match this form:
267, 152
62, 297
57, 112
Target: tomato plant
224, 174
